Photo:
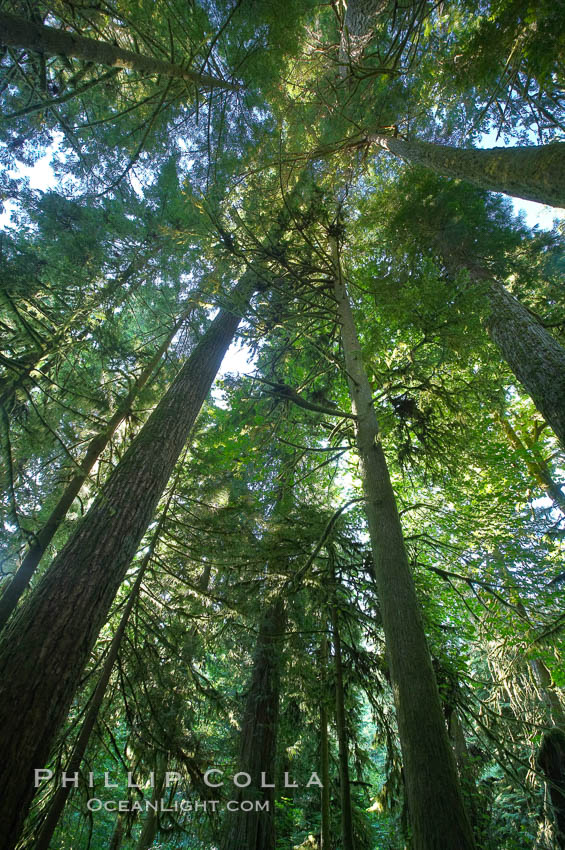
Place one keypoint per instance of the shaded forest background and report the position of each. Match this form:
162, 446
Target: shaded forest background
346, 557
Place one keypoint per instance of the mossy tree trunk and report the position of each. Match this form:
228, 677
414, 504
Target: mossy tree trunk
532, 353
464, 762
437, 814
549, 692
255, 830
532, 173
324, 748
341, 722
62, 793
29, 35
551, 759
117, 835
151, 820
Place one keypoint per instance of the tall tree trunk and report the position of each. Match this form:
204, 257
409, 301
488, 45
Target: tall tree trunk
360, 15
258, 738
117, 835
324, 748
551, 759
73, 765
532, 173
151, 822
537, 467
341, 729
47, 642
437, 814
534, 356
26, 34
98, 443
466, 775
550, 695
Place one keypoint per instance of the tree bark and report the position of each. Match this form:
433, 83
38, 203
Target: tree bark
48, 640
466, 774
356, 32
534, 356
437, 814
531, 173
61, 795
549, 692
324, 749
98, 443
258, 738
151, 821
551, 759
118, 834
341, 730
19, 32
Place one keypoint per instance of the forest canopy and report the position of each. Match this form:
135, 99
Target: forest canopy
282, 425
